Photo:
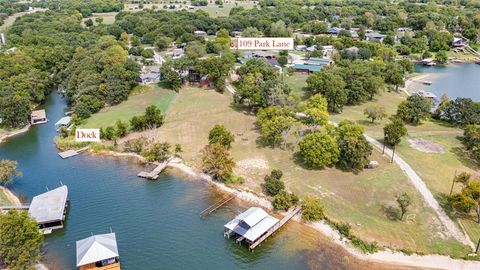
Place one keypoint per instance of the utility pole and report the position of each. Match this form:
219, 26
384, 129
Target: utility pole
478, 245
453, 182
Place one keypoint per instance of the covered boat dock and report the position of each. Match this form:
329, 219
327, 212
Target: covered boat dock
98, 252
49, 209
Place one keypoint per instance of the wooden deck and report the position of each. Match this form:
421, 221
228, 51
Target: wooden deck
153, 175
115, 266
291, 213
72, 153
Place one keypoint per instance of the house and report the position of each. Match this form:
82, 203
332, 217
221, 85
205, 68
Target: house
98, 252
312, 48
49, 209
459, 41
178, 53
63, 122
259, 54
273, 62
301, 48
251, 224
328, 50
200, 33
334, 30
194, 76
189, 7
313, 64
237, 33
427, 95
38, 117
374, 36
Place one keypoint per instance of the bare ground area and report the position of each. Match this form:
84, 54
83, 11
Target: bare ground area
425, 146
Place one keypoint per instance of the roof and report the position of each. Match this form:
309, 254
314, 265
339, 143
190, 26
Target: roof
39, 114
316, 61
64, 121
374, 35
96, 248
252, 223
313, 68
49, 206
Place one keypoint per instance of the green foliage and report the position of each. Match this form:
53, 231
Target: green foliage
273, 182
284, 200
136, 145
217, 162
355, 150
312, 209
318, 150
366, 247
221, 135
217, 69
414, 109
331, 86
403, 200
20, 240
8, 170
121, 129
375, 112
441, 57
471, 140
461, 111
108, 133
158, 152
154, 117
274, 123
394, 131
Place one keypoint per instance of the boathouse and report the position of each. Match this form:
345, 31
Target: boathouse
38, 117
49, 209
63, 122
98, 252
250, 225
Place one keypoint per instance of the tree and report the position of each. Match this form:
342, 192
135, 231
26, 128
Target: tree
375, 112
471, 140
154, 117
318, 150
468, 198
284, 200
148, 53
219, 134
355, 150
217, 162
20, 240
121, 129
331, 86
251, 32
393, 133
273, 123
273, 182
278, 29
441, 57
163, 43
99, 20
282, 60
312, 209
8, 170
158, 152
394, 75
178, 150
138, 123
415, 109
223, 38
88, 23
403, 200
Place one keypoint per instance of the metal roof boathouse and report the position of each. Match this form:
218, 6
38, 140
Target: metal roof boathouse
98, 252
49, 209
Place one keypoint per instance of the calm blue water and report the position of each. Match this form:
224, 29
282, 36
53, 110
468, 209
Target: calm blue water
157, 223
455, 80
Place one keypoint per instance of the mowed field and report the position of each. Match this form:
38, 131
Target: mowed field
436, 168
135, 105
359, 199
108, 17
212, 9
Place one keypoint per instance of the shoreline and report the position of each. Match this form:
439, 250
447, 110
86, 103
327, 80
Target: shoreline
4, 136
386, 256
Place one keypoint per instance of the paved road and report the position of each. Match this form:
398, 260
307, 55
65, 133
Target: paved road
426, 194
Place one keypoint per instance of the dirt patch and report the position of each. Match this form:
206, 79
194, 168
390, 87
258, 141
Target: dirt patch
425, 146
253, 164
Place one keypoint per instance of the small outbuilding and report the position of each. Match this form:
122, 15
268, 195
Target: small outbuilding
38, 117
63, 122
49, 209
250, 225
98, 252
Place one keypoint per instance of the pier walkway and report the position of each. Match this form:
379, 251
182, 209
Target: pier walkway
15, 207
153, 175
291, 213
72, 153
217, 205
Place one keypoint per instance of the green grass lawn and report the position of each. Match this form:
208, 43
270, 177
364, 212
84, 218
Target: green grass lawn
135, 105
4, 199
296, 81
108, 17
212, 9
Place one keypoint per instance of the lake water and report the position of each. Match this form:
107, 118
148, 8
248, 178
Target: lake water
455, 80
157, 223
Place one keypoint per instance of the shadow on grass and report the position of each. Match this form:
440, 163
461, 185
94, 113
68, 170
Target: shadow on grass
464, 157
392, 213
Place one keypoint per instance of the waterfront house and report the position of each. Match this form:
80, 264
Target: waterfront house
63, 122
98, 252
250, 225
38, 117
374, 36
333, 30
459, 41
49, 209
200, 33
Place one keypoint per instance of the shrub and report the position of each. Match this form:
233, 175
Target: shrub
219, 134
273, 184
312, 209
284, 200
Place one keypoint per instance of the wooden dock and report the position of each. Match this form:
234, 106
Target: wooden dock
217, 205
72, 153
15, 207
153, 175
291, 213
